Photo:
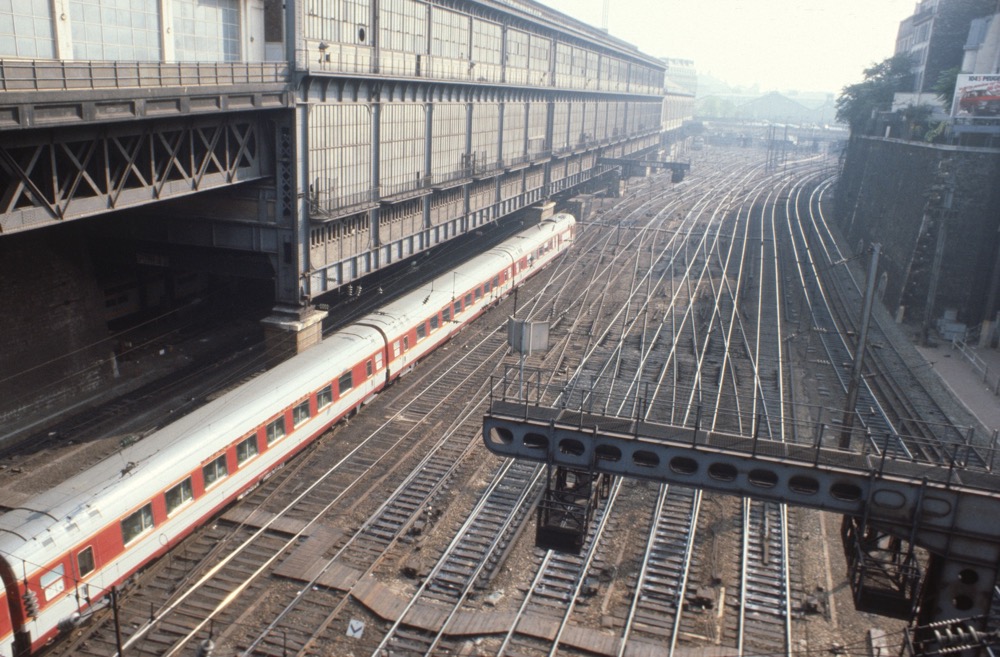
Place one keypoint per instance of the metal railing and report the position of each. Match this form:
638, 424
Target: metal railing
52, 75
981, 367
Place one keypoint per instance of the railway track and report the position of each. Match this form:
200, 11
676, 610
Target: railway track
671, 307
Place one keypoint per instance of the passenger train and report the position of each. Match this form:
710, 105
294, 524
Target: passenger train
61, 553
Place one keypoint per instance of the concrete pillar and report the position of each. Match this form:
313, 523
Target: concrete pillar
290, 330
538, 213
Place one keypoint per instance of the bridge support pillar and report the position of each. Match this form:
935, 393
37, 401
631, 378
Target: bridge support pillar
290, 330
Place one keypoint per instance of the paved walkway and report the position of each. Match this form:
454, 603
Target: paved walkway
972, 384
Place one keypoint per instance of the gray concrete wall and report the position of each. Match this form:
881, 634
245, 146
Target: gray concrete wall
896, 193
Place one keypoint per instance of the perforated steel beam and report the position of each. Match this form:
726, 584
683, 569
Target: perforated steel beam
939, 508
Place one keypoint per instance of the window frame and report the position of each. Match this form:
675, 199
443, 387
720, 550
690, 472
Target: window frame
243, 458
324, 397
345, 382
143, 513
79, 564
183, 502
215, 463
270, 430
297, 419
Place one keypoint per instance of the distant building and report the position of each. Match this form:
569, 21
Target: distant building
982, 47
681, 74
935, 36
680, 84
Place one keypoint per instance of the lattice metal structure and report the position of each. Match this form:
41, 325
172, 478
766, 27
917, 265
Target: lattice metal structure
67, 174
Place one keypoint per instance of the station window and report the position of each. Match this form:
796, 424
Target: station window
421, 332
345, 382
446, 315
246, 450
300, 413
137, 523
324, 397
215, 470
276, 430
435, 323
368, 368
85, 561
179, 495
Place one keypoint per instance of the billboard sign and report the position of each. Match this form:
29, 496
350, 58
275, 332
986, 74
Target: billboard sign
977, 97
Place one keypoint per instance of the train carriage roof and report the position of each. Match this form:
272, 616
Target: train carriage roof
121, 482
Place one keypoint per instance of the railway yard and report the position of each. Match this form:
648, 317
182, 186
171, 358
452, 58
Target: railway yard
723, 300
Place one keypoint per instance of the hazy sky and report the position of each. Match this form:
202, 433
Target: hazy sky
806, 45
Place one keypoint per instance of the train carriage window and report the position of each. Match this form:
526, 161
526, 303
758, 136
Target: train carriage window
486, 287
435, 323
215, 470
378, 361
406, 343
276, 430
246, 450
496, 281
446, 315
368, 368
468, 299
345, 382
300, 413
52, 582
479, 294
85, 561
421, 332
458, 307
324, 397
179, 495
395, 349
137, 523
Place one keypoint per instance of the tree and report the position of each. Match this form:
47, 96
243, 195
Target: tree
944, 86
858, 102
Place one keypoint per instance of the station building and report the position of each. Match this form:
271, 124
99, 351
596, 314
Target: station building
308, 143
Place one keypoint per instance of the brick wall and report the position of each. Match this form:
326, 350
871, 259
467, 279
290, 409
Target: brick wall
53, 337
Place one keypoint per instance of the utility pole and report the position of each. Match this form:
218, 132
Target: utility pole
859, 352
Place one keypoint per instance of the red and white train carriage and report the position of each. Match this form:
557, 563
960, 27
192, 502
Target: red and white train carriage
61, 552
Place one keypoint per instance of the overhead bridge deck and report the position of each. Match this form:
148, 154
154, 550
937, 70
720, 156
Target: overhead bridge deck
937, 507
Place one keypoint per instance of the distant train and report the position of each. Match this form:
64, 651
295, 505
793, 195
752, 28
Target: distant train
61, 552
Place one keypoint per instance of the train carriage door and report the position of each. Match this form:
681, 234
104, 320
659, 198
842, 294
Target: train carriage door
12, 615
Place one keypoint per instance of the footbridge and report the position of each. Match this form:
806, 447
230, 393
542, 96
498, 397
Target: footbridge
890, 502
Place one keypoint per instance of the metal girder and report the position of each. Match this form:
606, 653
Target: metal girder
621, 161
939, 508
55, 176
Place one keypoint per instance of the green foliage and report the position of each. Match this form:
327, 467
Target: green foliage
944, 87
917, 118
858, 102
